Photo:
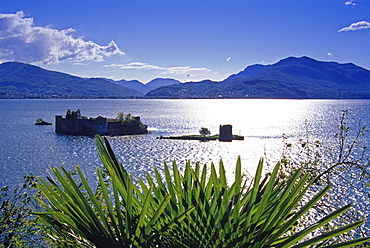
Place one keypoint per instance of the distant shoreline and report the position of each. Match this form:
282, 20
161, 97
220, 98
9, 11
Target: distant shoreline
174, 98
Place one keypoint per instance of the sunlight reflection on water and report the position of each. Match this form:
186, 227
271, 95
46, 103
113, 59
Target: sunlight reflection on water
25, 148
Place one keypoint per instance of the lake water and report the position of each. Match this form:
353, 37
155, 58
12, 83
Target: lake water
26, 148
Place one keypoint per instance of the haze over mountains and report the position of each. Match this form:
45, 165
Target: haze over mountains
302, 78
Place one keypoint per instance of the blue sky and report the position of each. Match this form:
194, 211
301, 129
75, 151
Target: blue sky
187, 40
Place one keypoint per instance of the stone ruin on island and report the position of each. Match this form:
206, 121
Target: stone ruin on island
76, 124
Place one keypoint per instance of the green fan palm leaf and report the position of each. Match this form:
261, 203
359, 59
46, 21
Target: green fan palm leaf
196, 208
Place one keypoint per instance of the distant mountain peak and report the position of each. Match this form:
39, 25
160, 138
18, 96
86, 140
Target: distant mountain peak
252, 70
163, 81
159, 82
306, 59
292, 59
298, 58
160, 79
248, 71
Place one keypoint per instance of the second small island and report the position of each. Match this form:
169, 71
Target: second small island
226, 134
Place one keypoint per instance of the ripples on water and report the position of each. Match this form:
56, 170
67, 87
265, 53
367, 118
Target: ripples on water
26, 148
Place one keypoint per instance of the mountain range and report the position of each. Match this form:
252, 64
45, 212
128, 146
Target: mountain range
302, 78
291, 78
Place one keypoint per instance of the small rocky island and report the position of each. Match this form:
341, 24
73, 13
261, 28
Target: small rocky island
226, 134
41, 122
76, 124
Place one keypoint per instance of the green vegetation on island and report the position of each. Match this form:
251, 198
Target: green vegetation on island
204, 131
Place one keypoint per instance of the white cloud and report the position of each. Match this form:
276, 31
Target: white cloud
21, 41
228, 59
136, 65
350, 2
329, 54
180, 70
185, 70
356, 26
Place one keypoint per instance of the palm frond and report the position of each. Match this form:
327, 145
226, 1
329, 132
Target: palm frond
196, 208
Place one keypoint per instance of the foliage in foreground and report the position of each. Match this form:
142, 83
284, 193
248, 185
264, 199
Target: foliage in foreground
193, 209
18, 228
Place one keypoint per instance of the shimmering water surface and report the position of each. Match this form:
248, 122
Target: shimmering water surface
26, 148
